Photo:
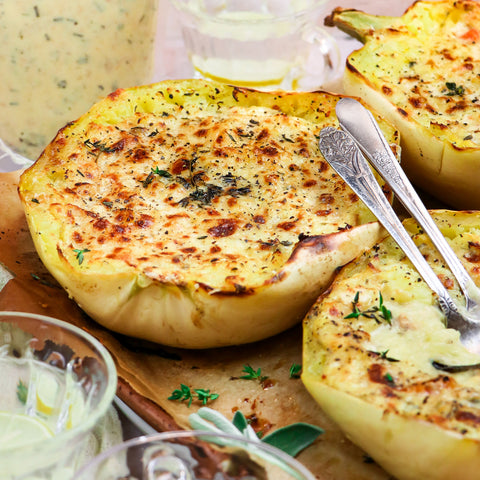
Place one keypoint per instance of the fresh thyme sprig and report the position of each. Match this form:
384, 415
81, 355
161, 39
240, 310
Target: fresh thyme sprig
186, 393
377, 313
252, 374
80, 254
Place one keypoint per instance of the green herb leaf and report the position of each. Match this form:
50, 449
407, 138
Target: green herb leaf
161, 173
252, 374
239, 421
185, 393
384, 356
378, 313
97, 145
292, 439
22, 392
80, 254
148, 180
295, 370
454, 89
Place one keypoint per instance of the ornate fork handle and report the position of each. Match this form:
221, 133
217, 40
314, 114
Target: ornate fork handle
346, 159
359, 122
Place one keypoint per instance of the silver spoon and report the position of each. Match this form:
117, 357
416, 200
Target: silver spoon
346, 158
356, 120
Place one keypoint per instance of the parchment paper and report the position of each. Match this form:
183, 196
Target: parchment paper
149, 373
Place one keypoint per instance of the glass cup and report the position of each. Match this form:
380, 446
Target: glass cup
262, 44
56, 383
58, 58
192, 455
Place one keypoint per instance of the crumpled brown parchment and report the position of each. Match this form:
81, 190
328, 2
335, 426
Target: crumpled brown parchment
148, 373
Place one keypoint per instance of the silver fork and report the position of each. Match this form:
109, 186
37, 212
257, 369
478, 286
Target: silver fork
356, 120
346, 158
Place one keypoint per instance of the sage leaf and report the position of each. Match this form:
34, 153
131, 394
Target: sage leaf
240, 421
293, 438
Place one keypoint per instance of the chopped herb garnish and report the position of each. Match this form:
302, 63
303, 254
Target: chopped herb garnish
108, 204
378, 313
161, 173
203, 195
295, 370
35, 200
148, 180
252, 374
22, 392
384, 356
98, 146
287, 139
454, 89
236, 192
388, 377
152, 134
186, 393
80, 254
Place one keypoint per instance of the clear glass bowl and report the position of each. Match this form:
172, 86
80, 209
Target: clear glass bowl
56, 383
191, 455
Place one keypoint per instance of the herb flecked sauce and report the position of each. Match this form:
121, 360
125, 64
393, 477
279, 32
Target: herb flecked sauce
58, 58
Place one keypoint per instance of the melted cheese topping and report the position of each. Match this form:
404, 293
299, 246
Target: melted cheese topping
220, 199
389, 363
426, 63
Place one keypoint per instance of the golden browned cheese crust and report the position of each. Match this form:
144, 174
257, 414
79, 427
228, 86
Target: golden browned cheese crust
195, 195
186, 193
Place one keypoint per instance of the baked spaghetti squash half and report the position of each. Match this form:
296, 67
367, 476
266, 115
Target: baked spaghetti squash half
420, 71
379, 360
195, 214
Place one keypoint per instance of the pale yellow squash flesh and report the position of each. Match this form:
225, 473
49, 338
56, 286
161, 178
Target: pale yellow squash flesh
195, 214
374, 375
420, 72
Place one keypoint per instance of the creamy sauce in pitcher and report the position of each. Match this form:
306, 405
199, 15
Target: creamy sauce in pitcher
57, 58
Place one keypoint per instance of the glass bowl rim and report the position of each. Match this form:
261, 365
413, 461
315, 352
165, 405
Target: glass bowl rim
181, 5
198, 434
101, 409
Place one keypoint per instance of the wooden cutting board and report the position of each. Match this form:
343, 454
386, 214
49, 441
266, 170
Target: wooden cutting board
148, 373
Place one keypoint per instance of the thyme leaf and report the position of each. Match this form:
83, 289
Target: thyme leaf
80, 254
454, 89
161, 173
148, 180
186, 393
98, 145
295, 370
378, 313
252, 374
